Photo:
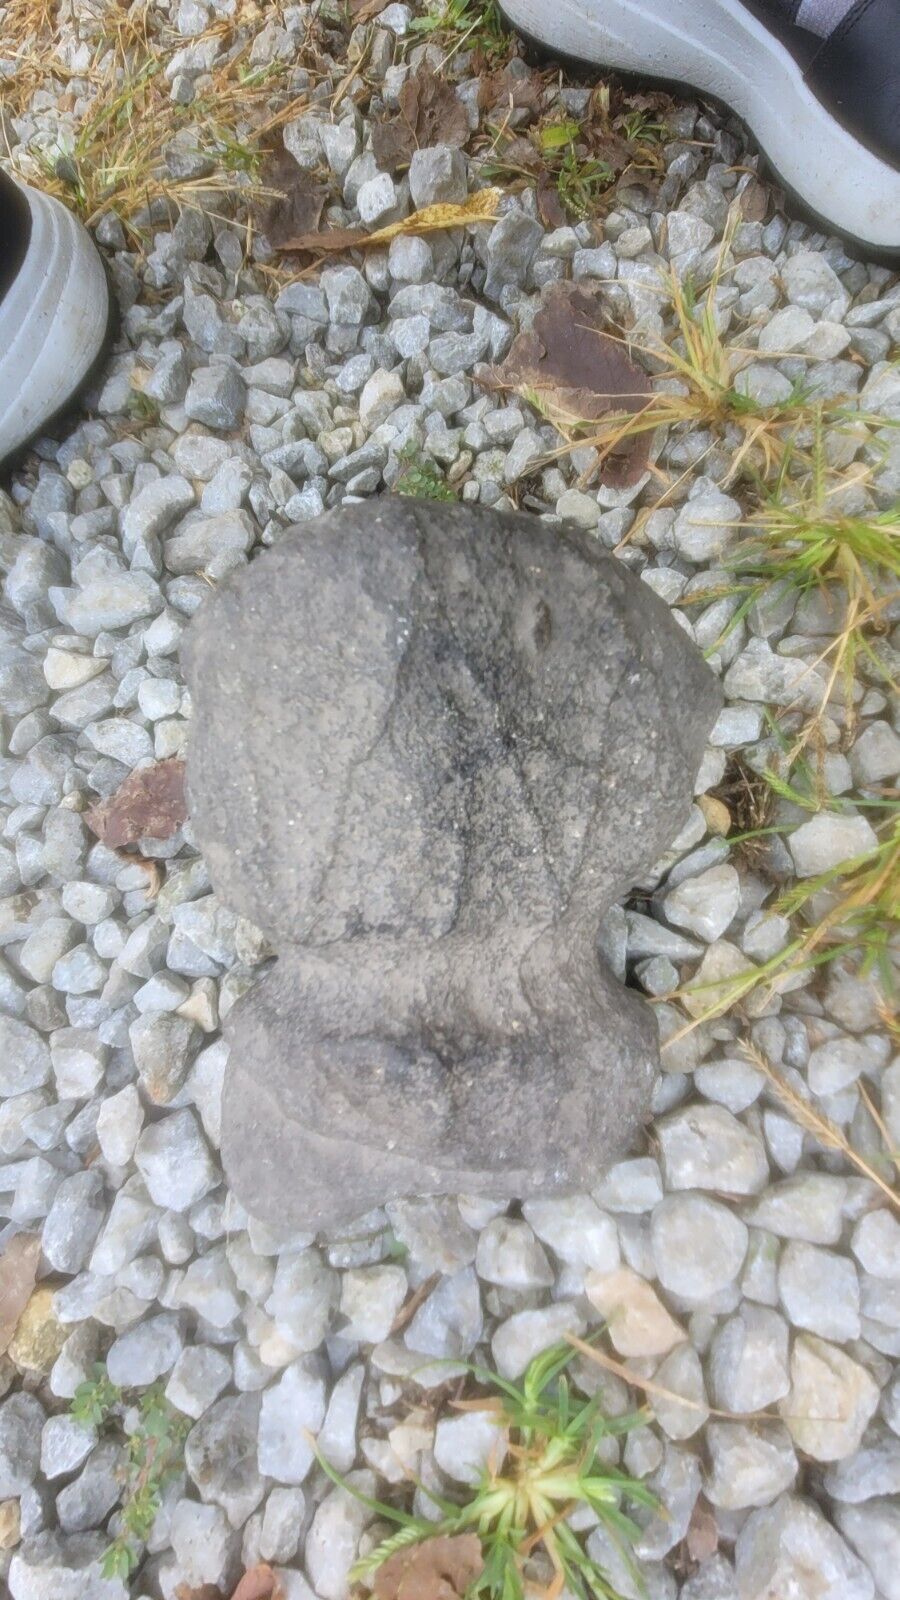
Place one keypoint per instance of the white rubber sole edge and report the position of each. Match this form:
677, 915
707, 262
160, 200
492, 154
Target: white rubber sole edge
53, 322
719, 48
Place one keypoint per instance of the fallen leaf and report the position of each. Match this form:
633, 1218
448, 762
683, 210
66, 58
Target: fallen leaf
299, 202
364, 10
150, 804
480, 207
438, 1569
578, 372
259, 1583
551, 210
18, 1270
702, 1537
430, 112
754, 201
500, 92
206, 1591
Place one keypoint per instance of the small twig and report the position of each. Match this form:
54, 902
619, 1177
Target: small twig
411, 1306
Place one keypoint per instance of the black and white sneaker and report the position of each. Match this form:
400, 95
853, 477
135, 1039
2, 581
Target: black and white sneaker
54, 311
817, 81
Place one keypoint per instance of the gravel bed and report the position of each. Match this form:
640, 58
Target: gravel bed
742, 1264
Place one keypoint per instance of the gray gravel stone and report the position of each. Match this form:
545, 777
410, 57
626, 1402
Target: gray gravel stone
216, 397
749, 1360
73, 1221
21, 1424
145, 1353
437, 174
65, 1444
819, 1290
53, 1566
220, 1456
873, 1531
790, 1549
197, 1379
698, 1246
827, 840
24, 1057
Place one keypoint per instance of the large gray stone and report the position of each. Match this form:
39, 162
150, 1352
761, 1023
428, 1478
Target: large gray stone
430, 746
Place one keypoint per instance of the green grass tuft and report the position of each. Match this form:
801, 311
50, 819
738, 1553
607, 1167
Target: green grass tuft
523, 1502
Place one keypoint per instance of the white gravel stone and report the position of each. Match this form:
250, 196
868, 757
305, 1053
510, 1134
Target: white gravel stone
197, 1379
706, 526
370, 1300
819, 1290
466, 1446
337, 1438
145, 1352
831, 1400
698, 1246
175, 1162
53, 1566
706, 904
750, 1464
24, 1057
65, 1444
873, 1531
525, 1334
828, 840
509, 1255
332, 1542
705, 1147
748, 1364
576, 1230
292, 1408
875, 1242
680, 1373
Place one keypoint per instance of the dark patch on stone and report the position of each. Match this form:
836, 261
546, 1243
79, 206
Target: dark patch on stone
430, 746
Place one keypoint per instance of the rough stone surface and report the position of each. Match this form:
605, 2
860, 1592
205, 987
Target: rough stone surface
386, 817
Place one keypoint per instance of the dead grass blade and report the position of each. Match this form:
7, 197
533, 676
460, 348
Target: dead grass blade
808, 1116
480, 207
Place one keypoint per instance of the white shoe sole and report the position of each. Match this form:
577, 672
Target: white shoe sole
53, 322
719, 48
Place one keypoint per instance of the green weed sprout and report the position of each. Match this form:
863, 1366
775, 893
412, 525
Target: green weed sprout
551, 1467
154, 1454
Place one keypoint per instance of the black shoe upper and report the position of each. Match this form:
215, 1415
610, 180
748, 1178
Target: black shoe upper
15, 230
855, 71
856, 74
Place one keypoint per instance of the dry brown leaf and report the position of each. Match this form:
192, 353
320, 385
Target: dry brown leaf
480, 207
754, 201
429, 113
438, 1569
551, 210
364, 10
502, 90
579, 373
18, 1270
299, 204
702, 1537
150, 804
206, 1591
259, 1583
